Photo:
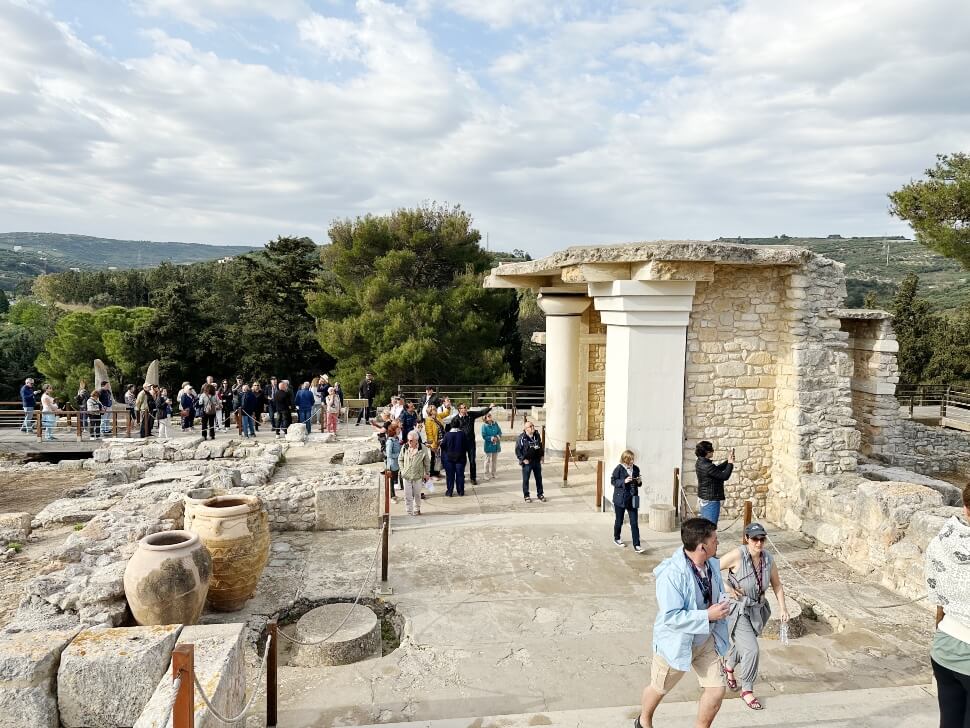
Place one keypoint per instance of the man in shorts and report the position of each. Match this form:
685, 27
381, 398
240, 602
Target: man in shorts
690, 632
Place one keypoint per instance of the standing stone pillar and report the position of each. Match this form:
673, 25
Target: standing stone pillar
646, 344
562, 310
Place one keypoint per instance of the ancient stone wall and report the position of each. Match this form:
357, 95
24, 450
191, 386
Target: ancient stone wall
592, 387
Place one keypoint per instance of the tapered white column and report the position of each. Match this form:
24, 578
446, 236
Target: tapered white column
562, 366
646, 342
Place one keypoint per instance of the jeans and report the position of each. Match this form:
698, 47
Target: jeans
454, 476
271, 411
282, 421
953, 695
305, 417
28, 419
248, 427
470, 454
49, 419
711, 510
105, 424
618, 523
536, 469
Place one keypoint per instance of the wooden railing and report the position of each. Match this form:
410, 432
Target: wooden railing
477, 395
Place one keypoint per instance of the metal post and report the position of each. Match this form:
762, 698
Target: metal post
183, 661
599, 485
385, 537
677, 511
747, 519
272, 686
565, 462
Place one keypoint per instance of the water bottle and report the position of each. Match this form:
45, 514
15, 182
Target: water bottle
783, 634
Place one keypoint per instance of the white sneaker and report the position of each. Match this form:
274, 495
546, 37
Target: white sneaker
619, 543
639, 549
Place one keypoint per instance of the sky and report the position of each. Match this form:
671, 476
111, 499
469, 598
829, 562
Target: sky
551, 123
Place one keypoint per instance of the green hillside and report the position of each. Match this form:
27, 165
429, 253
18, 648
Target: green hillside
24, 255
943, 282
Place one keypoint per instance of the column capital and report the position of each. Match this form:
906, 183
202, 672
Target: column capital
563, 304
643, 303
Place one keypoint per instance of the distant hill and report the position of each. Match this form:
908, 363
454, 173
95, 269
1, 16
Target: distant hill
24, 255
943, 282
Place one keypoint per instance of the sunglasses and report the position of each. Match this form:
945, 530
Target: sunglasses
756, 538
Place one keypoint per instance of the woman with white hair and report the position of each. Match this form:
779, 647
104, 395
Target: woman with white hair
415, 462
332, 409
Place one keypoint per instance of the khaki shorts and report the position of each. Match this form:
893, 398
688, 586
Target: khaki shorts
704, 662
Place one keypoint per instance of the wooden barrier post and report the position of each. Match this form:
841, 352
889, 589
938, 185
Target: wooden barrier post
40, 426
676, 501
565, 462
512, 418
183, 661
272, 689
385, 543
747, 520
79, 428
944, 402
599, 485
114, 424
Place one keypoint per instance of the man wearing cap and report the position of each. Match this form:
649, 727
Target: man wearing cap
689, 632
750, 570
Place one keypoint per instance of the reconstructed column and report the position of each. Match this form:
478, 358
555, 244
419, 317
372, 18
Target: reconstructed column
646, 339
562, 310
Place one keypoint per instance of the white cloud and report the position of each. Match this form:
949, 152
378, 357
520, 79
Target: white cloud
207, 14
631, 121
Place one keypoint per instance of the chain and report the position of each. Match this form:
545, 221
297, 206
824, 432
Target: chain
249, 703
350, 611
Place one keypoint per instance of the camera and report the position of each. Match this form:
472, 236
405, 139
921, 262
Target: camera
637, 480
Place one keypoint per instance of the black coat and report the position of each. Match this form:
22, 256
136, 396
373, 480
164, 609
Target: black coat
711, 477
466, 423
623, 492
367, 390
529, 448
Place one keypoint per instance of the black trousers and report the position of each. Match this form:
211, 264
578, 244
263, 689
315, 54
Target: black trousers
147, 423
209, 425
470, 446
618, 523
283, 421
366, 412
953, 694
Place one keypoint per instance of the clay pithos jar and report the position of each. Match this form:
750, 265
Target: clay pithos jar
167, 578
195, 498
235, 529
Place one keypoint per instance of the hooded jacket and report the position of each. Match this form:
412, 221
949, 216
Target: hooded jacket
679, 616
947, 574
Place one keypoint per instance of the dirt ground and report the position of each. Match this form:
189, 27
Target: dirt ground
16, 571
32, 492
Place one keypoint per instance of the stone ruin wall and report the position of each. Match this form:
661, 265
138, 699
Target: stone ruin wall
768, 374
592, 346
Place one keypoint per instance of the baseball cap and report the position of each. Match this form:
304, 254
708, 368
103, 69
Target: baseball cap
755, 530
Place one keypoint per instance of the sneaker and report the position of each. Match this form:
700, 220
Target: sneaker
619, 543
639, 549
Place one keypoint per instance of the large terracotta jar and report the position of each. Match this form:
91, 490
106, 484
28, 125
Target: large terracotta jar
193, 499
167, 578
235, 529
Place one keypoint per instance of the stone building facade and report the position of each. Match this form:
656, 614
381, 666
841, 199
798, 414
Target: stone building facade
681, 341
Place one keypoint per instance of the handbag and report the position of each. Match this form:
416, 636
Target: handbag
635, 502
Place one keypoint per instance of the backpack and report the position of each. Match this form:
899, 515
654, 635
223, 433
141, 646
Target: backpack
209, 407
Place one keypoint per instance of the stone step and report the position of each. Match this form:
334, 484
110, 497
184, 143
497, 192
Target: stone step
914, 706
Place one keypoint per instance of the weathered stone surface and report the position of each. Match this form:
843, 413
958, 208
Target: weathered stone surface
16, 525
952, 495
363, 455
358, 639
106, 677
220, 663
346, 500
296, 432
28, 665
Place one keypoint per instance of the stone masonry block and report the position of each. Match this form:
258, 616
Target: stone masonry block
107, 676
28, 665
346, 506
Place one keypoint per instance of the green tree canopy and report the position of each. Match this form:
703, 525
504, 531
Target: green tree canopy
401, 295
938, 208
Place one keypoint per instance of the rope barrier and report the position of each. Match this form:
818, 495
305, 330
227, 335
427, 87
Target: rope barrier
350, 611
252, 697
176, 685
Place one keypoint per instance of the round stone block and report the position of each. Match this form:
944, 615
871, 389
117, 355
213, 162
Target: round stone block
796, 622
358, 639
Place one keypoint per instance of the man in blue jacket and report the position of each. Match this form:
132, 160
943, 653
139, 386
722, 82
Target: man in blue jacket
690, 632
304, 404
29, 403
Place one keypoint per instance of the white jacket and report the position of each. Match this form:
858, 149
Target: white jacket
947, 572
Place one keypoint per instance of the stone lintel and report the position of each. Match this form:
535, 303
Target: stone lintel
670, 270
886, 346
595, 272
493, 280
861, 314
870, 386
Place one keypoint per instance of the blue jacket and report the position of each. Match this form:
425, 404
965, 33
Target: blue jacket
392, 451
408, 422
247, 402
623, 492
304, 400
488, 432
27, 396
679, 616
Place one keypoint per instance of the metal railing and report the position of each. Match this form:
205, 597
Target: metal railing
945, 401
475, 395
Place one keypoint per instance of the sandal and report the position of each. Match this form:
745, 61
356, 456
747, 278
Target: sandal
753, 702
732, 681
528, 499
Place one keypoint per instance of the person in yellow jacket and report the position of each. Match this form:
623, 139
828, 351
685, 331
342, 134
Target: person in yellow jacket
434, 430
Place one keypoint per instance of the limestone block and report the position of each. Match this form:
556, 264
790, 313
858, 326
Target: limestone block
107, 676
342, 506
101, 456
220, 663
16, 524
358, 638
363, 455
28, 665
296, 432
